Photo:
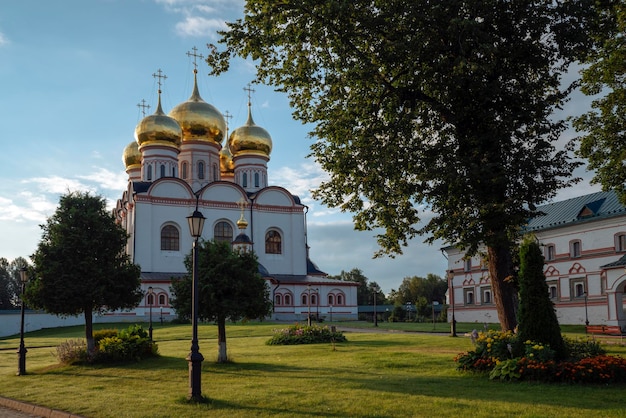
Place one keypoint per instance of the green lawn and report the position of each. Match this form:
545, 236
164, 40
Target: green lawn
386, 374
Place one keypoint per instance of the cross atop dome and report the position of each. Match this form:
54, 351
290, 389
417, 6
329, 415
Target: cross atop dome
195, 55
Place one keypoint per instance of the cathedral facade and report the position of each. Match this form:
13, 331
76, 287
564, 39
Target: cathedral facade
181, 162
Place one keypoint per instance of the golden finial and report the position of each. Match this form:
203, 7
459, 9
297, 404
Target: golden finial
250, 90
195, 55
159, 75
242, 223
227, 116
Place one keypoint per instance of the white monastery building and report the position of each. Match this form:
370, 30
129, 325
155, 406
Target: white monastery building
182, 161
584, 243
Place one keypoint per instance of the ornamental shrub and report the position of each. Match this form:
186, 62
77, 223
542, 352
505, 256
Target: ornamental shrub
304, 334
131, 344
73, 352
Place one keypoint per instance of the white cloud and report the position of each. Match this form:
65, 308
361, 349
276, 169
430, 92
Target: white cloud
3, 39
196, 26
107, 179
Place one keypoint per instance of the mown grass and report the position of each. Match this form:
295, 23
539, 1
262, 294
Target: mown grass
386, 374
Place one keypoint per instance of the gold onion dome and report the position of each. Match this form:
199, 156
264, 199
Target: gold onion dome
131, 155
158, 129
242, 223
198, 119
250, 139
226, 160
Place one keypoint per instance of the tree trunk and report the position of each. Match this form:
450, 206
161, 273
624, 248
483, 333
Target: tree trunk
222, 355
91, 346
504, 292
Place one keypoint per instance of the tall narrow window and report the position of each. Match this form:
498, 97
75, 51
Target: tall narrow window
575, 249
223, 232
201, 170
150, 299
149, 176
162, 300
184, 169
580, 290
467, 264
173, 171
273, 242
278, 300
621, 243
288, 300
244, 182
162, 171
550, 252
304, 300
331, 299
553, 293
214, 172
169, 238
256, 179
340, 299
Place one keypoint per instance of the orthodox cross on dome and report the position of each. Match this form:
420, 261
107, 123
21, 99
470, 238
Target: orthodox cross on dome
242, 204
242, 223
195, 55
159, 75
143, 106
250, 90
227, 116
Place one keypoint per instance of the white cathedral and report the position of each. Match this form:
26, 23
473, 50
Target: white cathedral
181, 161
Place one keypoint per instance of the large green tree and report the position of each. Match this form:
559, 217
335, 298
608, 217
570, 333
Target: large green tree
10, 284
80, 266
363, 292
420, 107
230, 287
603, 141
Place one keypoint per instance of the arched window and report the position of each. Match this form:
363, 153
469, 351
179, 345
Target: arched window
256, 179
620, 242
304, 300
550, 252
313, 299
170, 238
575, 248
184, 169
273, 242
149, 175
278, 299
331, 299
288, 300
201, 170
162, 300
162, 170
174, 171
150, 300
214, 172
340, 300
223, 232
244, 182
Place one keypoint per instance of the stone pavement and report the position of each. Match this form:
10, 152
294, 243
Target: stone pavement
10, 408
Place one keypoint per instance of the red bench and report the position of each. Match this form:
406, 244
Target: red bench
604, 329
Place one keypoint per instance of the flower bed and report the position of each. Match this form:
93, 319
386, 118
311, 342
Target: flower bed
587, 362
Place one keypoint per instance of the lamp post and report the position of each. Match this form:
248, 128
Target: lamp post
150, 301
308, 299
453, 323
21, 352
586, 315
196, 223
317, 305
375, 289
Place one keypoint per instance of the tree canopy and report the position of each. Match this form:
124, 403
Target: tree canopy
10, 284
603, 141
230, 287
439, 112
80, 265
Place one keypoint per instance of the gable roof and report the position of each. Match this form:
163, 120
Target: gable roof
591, 207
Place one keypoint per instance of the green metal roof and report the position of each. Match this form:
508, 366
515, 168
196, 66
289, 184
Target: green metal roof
591, 207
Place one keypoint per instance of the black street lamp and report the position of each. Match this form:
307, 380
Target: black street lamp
150, 302
196, 224
453, 323
21, 352
317, 303
586, 315
308, 299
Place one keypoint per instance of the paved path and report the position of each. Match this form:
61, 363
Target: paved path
12, 413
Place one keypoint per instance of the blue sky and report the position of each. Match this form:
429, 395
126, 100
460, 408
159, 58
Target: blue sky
71, 75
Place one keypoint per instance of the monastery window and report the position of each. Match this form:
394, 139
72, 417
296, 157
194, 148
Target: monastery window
288, 300
170, 240
467, 264
150, 300
273, 242
162, 171
574, 248
149, 175
620, 243
223, 232
486, 296
313, 299
550, 252
184, 169
256, 179
278, 299
577, 288
331, 299
201, 170
244, 182
340, 300
214, 172
174, 171
304, 300
468, 295
162, 300
553, 290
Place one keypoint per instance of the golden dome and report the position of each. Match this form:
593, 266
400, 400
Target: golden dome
131, 155
250, 139
226, 160
159, 129
198, 119
242, 223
